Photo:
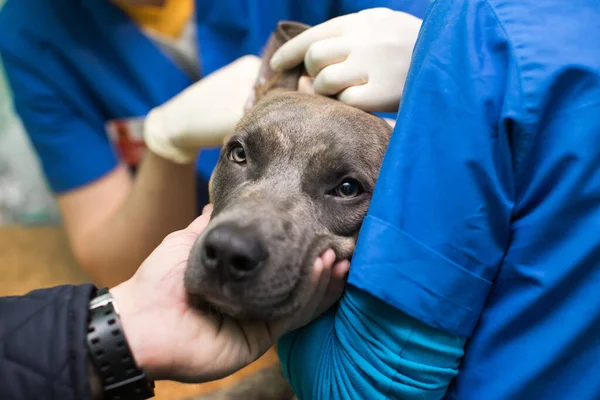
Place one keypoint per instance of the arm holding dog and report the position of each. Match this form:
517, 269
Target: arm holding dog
369, 349
45, 330
436, 232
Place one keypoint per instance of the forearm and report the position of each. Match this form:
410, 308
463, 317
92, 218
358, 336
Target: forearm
161, 200
44, 337
367, 349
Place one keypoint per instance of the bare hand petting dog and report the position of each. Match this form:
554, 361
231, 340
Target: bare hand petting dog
171, 340
363, 57
203, 114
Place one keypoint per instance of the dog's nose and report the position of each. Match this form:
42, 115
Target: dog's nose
233, 252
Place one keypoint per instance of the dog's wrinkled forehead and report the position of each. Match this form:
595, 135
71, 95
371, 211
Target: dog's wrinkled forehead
298, 119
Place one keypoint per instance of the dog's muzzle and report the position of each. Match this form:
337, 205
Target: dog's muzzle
231, 253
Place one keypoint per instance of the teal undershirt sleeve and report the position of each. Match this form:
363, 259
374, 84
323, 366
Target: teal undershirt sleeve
367, 349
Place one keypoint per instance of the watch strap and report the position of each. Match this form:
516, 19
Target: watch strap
111, 355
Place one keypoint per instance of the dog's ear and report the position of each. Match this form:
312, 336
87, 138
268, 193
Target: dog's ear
268, 80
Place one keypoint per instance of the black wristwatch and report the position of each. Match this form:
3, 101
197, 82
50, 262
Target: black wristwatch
121, 378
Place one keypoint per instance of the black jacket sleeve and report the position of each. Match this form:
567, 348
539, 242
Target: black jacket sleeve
43, 351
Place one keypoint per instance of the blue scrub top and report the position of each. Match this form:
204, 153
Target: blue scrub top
74, 65
485, 222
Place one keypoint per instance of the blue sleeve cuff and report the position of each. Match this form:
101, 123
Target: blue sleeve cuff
396, 268
368, 349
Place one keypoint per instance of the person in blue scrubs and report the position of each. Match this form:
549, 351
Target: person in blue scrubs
80, 69
477, 270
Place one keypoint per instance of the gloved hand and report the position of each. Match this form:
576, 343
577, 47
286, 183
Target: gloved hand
202, 115
363, 58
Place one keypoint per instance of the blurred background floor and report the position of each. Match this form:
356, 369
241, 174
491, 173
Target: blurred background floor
38, 257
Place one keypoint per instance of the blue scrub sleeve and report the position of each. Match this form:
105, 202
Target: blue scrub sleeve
368, 349
73, 151
439, 222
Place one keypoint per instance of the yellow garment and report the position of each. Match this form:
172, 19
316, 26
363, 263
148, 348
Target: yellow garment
168, 20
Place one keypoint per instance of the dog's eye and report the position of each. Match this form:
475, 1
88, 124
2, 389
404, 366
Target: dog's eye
349, 188
237, 154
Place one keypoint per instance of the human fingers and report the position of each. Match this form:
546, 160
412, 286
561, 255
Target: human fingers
371, 97
337, 77
335, 289
390, 122
199, 224
208, 209
292, 53
327, 259
318, 282
320, 277
324, 53
305, 85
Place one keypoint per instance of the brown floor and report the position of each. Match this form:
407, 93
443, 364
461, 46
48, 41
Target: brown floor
32, 258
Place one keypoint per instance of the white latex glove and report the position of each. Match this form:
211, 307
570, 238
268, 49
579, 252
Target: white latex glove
202, 115
363, 58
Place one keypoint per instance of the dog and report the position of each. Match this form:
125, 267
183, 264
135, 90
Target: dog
295, 179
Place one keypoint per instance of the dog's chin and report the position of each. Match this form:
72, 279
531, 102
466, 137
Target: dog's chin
214, 305
241, 310
205, 294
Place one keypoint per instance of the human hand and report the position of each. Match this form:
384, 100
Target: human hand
171, 340
203, 114
363, 58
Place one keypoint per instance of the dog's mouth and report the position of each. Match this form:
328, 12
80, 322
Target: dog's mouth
235, 308
277, 290
225, 300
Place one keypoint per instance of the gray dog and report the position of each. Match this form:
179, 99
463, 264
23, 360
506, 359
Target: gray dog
294, 179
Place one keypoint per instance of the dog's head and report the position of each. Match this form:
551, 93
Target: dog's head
294, 179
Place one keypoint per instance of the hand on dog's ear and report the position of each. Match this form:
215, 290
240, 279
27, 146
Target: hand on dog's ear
305, 85
269, 80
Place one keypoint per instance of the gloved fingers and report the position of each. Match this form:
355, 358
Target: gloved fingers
223, 120
337, 77
305, 85
161, 143
325, 52
390, 122
203, 114
292, 53
371, 98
